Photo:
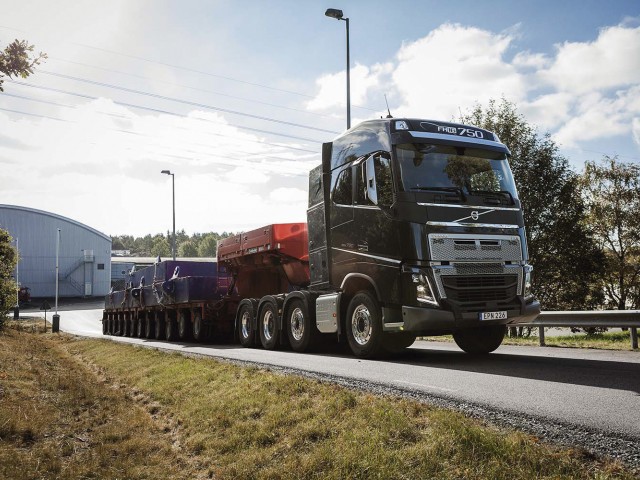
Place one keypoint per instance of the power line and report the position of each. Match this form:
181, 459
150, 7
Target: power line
278, 145
166, 112
34, 115
186, 102
193, 88
188, 69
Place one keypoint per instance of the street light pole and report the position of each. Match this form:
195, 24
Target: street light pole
173, 194
338, 15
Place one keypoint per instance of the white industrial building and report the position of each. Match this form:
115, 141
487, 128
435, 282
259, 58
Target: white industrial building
84, 253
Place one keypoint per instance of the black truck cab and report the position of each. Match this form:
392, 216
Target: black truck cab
423, 217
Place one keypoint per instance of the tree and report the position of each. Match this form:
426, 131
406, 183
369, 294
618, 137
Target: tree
208, 246
611, 190
160, 247
568, 261
8, 259
16, 60
187, 249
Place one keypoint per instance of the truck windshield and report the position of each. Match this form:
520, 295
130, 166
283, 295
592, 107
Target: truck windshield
457, 169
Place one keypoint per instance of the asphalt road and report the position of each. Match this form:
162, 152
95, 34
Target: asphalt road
594, 391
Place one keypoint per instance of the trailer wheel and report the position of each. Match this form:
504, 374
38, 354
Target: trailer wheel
148, 327
268, 326
184, 325
198, 326
118, 331
160, 327
130, 325
170, 327
480, 340
300, 329
364, 325
140, 324
246, 332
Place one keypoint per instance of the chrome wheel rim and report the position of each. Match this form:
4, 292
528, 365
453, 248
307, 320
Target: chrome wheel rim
268, 325
361, 325
244, 324
297, 324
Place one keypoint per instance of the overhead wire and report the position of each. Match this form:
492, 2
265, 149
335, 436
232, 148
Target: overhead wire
185, 102
157, 110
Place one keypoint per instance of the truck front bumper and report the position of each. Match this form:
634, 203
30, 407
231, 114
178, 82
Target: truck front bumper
435, 321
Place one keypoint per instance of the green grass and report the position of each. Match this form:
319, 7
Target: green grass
602, 341
148, 414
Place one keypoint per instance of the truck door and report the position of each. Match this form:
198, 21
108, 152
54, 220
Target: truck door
341, 221
375, 232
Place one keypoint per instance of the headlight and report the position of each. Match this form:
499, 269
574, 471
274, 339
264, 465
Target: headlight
528, 280
424, 293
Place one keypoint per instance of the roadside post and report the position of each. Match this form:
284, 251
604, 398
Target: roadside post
45, 306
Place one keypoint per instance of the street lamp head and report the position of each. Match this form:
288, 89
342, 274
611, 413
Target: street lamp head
168, 172
334, 13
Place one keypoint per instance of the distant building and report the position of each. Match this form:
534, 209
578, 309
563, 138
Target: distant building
84, 259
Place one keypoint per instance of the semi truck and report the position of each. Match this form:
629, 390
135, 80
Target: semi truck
414, 228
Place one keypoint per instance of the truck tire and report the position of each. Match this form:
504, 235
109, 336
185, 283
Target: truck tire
199, 330
170, 330
149, 329
268, 326
105, 326
184, 325
300, 328
480, 340
245, 327
398, 342
364, 325
159, 324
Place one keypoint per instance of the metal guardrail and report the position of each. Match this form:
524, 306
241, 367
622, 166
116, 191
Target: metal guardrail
584, 319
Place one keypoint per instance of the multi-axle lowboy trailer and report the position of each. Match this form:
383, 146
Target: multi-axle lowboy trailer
414, 227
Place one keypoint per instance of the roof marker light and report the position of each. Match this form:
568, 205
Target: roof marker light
401, 125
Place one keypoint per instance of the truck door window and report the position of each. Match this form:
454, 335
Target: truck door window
383, 180
342, 188
375, 181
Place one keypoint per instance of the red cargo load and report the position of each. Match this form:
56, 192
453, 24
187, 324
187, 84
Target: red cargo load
267, 260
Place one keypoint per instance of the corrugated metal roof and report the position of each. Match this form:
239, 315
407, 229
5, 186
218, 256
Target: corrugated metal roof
55, 215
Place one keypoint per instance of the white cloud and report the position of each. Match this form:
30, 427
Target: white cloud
331, 87
583, 91
107, 159
454, 67
612, 60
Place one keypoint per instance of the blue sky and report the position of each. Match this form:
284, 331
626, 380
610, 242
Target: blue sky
132, 88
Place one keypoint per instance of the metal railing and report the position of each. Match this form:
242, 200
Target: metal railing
585, 319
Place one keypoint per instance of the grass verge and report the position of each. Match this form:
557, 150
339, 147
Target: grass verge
599, 341
148, 414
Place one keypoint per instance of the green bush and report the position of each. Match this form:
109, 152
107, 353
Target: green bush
8, 258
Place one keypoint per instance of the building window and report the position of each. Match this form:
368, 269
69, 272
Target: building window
101, 266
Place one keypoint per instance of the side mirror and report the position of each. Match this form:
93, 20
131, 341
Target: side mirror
372, 191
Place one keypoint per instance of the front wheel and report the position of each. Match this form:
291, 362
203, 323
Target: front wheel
480, 340
364, 325
398, 342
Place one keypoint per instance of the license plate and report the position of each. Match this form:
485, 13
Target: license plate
493, 315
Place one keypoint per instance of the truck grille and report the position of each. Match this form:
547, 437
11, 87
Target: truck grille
471, 248
481, 289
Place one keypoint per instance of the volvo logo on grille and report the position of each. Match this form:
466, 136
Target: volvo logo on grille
475, 215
